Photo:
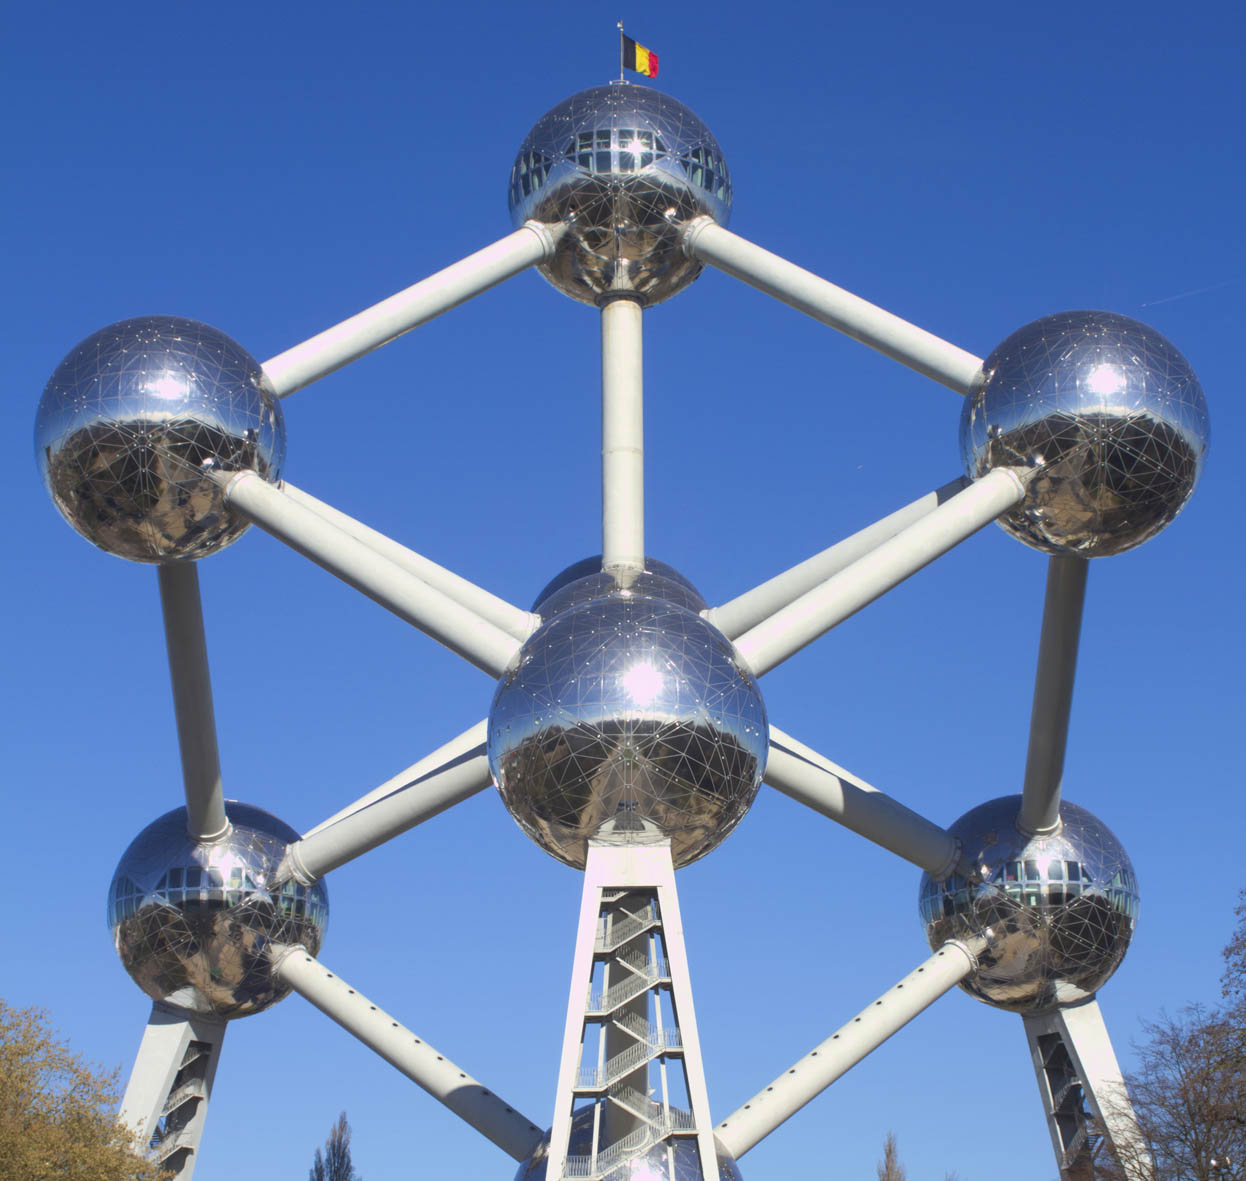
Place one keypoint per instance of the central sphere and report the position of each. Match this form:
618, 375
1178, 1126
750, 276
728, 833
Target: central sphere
629, 720
622, 167
132, 424
1058, 909
194, 922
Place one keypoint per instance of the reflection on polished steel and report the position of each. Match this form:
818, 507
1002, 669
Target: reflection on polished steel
193, 923
623, 166
1058, 910
675, 1160
131, 419
584, 581
627, 719
1112, 414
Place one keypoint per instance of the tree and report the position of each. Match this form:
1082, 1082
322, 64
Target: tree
56, 1112
335, 1163
890, 1168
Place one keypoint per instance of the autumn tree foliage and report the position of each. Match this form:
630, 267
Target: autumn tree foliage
57, 1120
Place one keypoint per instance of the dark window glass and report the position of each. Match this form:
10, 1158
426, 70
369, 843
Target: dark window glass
603, 161
193, 877
1031, 871
1075, 871
175, 877
1012, 871
1055, 871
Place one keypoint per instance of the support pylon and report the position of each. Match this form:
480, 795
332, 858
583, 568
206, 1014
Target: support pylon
631, 1083
166, 1099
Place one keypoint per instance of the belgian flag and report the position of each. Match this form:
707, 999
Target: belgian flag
638, 58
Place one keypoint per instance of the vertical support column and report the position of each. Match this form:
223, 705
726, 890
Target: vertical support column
166, 1099
1080, 1082
622, 436
192, 700
629, 953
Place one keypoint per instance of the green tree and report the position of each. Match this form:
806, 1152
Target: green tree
334, 1164
57, 1119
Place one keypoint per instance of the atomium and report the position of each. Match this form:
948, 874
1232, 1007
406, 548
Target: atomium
1057, 910
623, 167
133, 421
627, 719
1110, 413
195, 923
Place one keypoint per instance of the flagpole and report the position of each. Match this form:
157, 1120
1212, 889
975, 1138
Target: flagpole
621, 51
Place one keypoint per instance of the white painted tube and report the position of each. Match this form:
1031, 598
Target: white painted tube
622, 436
801, 622
1053, 693
409, 805
511, 619
840, 309
818, 1069
807, 777
411, 599
182, 608
492, 1117
735, 617
345, 342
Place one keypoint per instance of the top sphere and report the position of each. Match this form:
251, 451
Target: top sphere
194, 922
1057, 909
1112, 415
132, 420
585, 580
623, 166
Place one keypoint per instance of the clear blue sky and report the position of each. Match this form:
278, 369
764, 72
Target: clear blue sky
273, 168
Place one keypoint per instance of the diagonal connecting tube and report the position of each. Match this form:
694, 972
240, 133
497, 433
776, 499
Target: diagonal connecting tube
1053, 693
735, 617
493, 1118
801, 622
850, 314
192, 700
817, 1070
461, 630
383, 322
816, 782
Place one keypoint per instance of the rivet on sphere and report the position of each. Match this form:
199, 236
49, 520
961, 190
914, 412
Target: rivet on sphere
623, 167
627, 720
1057, 909
131, 423
194, 923
1110, 413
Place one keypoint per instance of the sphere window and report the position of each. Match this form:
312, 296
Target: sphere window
529, 174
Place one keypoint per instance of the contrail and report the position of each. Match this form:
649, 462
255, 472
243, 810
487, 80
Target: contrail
1186, 294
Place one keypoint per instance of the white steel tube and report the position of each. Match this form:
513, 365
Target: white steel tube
735, 617
381, 323
848, 313
409, 805
622, 436
410, 598
801, 622
807, 777
494, 1119
192, 700
499, 612
1053, 693
817, 1070
443, 756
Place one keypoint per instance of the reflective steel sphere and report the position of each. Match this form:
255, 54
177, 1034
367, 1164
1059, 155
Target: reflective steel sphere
584, 581
1058, 910
627, 719
193, 923
1111, 414
623, 166
651, 1162
129, 422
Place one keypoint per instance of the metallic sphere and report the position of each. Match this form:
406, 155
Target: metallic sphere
1111, 414
623, 166
1058, 910
629, 720
132, 419
673, 1160
584, 581
193, 923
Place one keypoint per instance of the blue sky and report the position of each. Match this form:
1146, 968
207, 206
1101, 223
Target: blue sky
273, 169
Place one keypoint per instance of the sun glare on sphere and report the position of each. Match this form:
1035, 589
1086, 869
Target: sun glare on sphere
643, 683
